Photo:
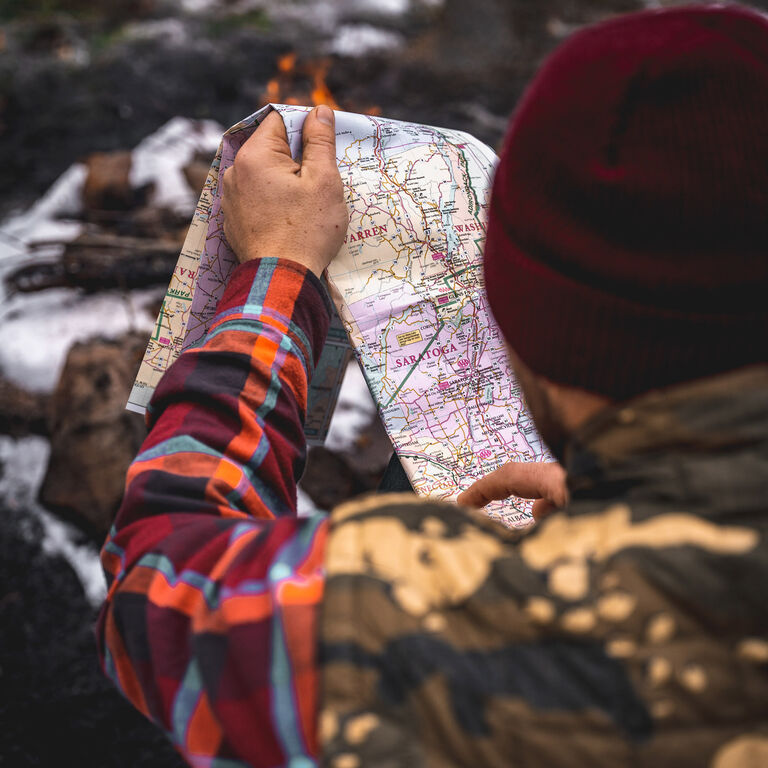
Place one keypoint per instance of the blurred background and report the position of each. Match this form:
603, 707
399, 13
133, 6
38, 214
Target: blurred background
110, 113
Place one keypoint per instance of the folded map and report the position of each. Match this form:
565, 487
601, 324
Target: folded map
408, 287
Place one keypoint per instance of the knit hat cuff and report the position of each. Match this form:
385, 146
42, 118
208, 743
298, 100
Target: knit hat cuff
574, 334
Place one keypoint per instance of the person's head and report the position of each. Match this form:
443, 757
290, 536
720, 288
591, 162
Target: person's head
627, 243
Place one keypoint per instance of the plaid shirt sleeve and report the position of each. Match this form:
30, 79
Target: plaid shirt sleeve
210, 621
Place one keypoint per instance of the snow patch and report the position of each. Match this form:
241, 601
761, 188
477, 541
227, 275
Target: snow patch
304, 504
43, 221
61, 539
170, 32
362, 39
23, 463
38, 329
200, 6
321, 15
160, 158
354, 411
383, 7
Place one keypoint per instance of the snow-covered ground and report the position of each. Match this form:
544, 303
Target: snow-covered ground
38, 329
49, 219
158, 159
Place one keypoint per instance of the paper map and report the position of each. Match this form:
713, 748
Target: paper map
408, 286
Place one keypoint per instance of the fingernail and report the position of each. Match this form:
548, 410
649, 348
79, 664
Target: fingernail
325, 114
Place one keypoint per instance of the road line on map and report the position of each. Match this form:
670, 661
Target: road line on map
159, 324
421, 457
423, 352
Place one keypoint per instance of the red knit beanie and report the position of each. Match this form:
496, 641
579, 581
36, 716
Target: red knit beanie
628, 234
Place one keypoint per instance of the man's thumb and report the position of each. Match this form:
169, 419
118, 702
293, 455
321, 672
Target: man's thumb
319, 139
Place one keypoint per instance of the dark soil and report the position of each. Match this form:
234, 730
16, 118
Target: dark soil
56, 706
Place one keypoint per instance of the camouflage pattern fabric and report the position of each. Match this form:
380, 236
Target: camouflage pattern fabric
629, 630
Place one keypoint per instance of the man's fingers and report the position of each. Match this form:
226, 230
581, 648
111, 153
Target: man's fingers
319, 141
272, 129
541, 508
526, 480
511, 479
268, 140
479, 493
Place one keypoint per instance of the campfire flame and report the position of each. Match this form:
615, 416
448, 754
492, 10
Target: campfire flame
300, 82
303, 82
321, 94
286, 63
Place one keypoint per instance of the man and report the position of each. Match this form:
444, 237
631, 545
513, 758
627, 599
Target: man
626, 265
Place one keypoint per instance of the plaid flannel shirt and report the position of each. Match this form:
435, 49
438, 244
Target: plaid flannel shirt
210, 622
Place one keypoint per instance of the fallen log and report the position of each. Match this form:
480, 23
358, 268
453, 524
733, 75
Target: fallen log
98, 262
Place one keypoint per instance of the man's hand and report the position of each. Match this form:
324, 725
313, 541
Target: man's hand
274, 206
544, 482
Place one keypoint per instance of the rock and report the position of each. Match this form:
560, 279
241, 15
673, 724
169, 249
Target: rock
331, 477
108, 184
196, 172
93, 437
21, 412
329, 480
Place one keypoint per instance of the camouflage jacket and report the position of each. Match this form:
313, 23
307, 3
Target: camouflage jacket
629, 630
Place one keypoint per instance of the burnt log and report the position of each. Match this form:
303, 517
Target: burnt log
98, 262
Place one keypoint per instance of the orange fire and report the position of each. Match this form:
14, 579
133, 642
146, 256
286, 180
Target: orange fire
287, 62
303, 82
321, 94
